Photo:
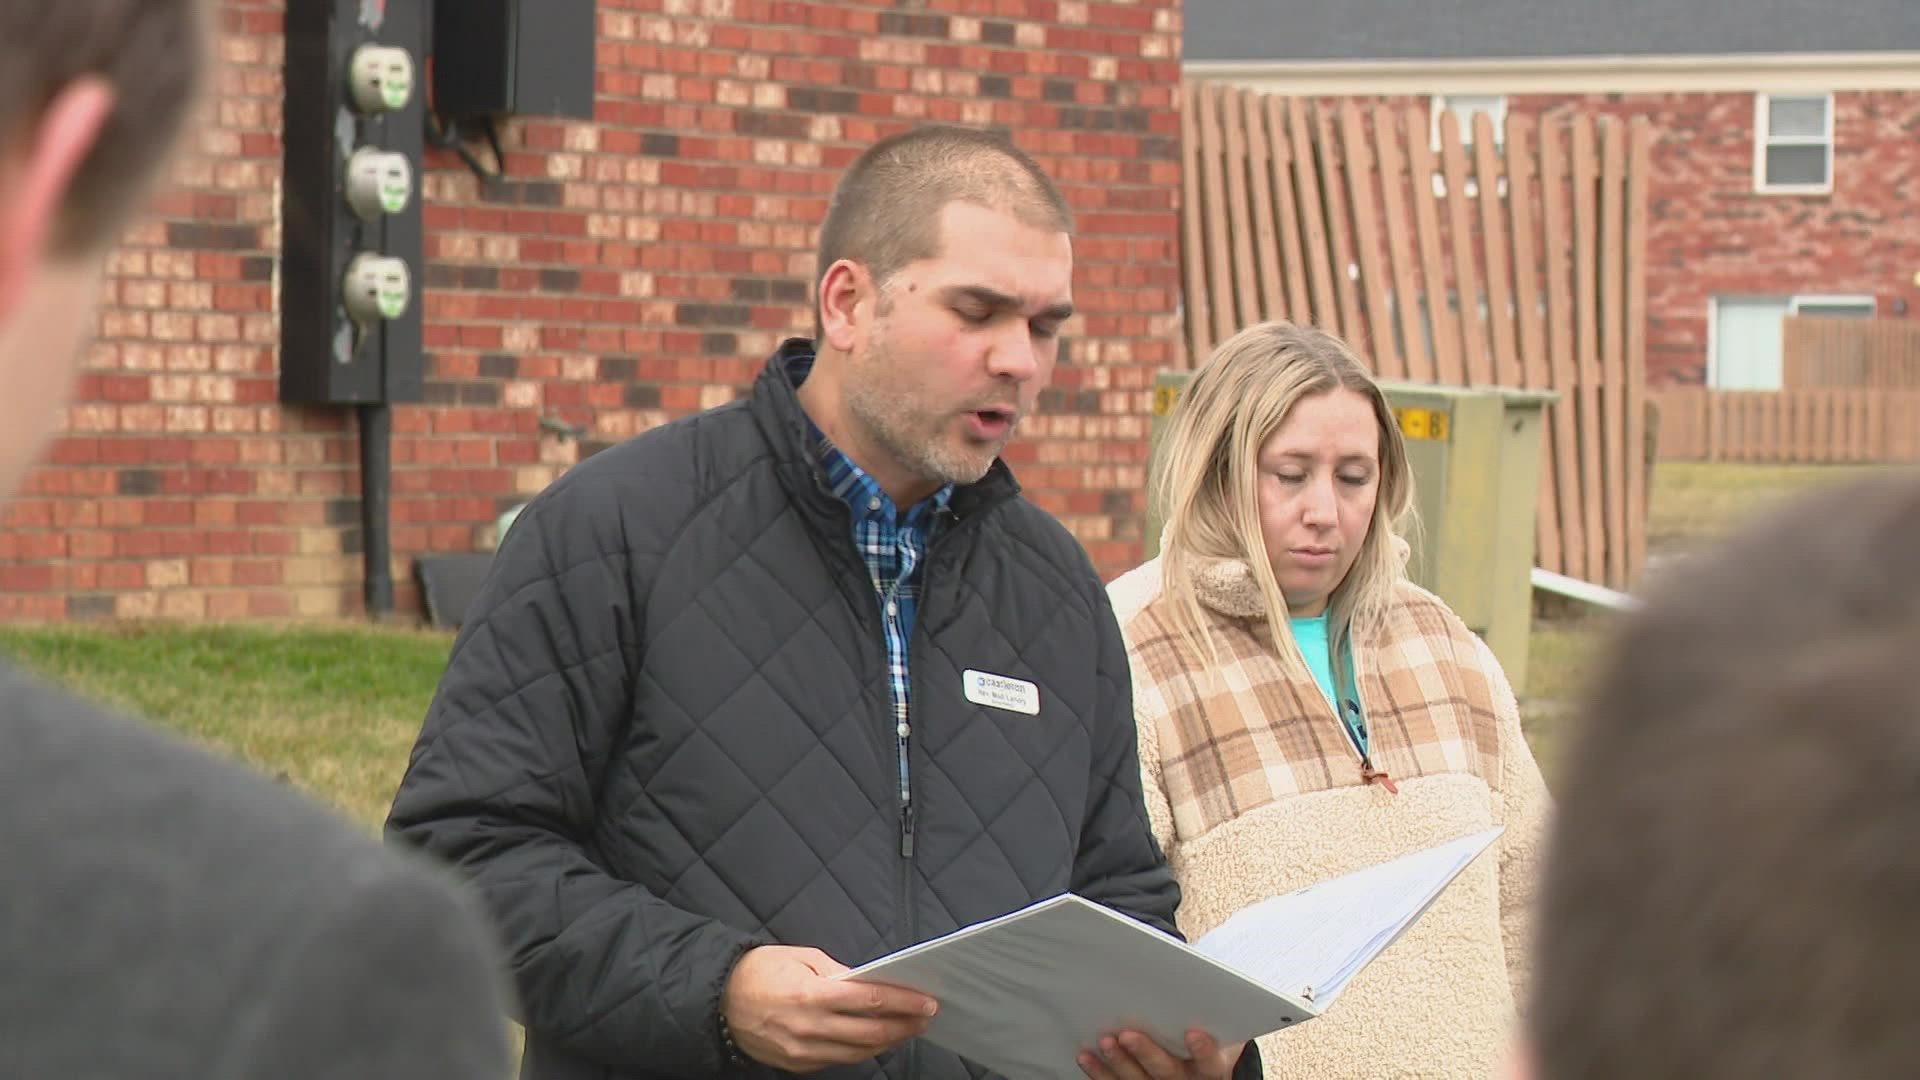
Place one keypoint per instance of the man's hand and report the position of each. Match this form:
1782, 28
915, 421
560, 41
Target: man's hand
785, 1010
1131, 1055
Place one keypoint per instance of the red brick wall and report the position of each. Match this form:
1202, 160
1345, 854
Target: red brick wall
1710, 233
630, 270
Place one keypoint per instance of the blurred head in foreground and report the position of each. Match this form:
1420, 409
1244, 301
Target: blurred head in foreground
1734, 884
93, 94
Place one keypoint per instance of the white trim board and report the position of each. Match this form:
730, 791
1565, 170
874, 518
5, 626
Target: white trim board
1767, 73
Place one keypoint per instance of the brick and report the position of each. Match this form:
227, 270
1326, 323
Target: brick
91, 606
316, 542
165, 574
316, 603
228, 606
269, 605
211, 571
140, 605
182, 604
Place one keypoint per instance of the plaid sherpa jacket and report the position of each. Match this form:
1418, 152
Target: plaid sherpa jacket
1254, 791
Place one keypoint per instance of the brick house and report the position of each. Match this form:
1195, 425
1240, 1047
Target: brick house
627, 270
1787, 136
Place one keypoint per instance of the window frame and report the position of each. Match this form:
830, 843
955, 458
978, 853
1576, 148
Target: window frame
1762, 141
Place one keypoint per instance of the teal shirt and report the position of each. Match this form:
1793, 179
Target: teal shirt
1311, 635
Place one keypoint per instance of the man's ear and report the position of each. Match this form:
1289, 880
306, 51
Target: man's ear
35, 178
846, 303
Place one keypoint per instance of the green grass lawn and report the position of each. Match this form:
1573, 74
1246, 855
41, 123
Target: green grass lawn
1694, 502
334, 709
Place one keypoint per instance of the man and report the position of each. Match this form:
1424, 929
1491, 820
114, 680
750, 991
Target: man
783, 687
1733, 882
166, 913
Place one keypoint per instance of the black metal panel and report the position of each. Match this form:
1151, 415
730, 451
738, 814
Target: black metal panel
493, 59
325, 358
553, 68
403, 341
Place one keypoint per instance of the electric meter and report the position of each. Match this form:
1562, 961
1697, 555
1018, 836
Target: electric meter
377, 288
378, 182
382, 78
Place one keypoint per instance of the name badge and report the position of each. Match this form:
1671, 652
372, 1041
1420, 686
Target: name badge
1001, 692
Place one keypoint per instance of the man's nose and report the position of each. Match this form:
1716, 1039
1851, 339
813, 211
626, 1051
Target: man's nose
1014, 354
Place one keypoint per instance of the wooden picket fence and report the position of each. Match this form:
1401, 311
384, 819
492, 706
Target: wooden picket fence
1825, 351
1851, 394
1807, 425
1515, 263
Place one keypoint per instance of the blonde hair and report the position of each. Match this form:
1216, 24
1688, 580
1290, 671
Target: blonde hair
1207, 481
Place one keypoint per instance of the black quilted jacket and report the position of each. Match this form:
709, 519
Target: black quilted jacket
665, 735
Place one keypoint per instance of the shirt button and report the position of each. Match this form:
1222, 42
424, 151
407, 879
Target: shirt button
903, 730
892, 609
873, 503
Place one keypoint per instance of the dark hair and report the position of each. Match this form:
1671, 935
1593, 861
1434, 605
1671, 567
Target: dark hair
886, 209
153, 52
1734, 877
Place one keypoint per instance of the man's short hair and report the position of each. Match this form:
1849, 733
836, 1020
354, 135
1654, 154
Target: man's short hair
886, 209
1734, 884
153, 52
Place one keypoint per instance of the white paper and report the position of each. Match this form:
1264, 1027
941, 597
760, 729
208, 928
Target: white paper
1311, 942
1023, 994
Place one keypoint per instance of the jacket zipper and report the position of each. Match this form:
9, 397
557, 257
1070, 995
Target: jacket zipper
902, 730
1368, 773
906, 862
935, 538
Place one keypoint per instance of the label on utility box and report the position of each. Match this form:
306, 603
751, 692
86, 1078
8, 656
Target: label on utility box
1164, 398
1423, 424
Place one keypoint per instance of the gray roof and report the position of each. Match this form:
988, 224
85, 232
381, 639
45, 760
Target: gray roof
1247, 30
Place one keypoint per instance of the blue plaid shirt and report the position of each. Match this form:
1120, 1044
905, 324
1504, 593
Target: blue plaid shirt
893, 546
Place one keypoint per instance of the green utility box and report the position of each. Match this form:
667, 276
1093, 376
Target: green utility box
1475, 457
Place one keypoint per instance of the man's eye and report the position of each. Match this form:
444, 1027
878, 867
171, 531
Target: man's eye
973, 315
1045, 330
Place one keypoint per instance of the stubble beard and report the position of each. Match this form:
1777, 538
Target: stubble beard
902, 427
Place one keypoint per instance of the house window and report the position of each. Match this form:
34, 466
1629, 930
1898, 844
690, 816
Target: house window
1746, 349
1793, 142
1465, 107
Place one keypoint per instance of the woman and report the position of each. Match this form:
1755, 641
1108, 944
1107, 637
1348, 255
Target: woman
1365, 723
